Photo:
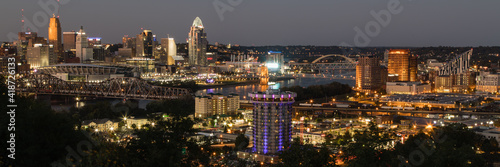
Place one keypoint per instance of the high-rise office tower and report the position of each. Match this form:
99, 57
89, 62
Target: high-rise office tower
368, 76
145, 44
402, 66
98, 52
25, 40
128, 42
272, 120
55, 37
83, 51
40, 55
197, 44
170, 49
69, 40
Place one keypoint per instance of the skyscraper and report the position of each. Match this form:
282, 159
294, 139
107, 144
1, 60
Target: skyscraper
69, 40
402, 66
26, 40
368, 72
40, 55
98, 50
145, 44
83, 51
55, 37
170, 49
197, 44
272, 120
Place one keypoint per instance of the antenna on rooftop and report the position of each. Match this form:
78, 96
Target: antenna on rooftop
58, 9
22, 20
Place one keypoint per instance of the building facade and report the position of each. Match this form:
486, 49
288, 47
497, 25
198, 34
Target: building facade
55, 36
83, 51
487, 82
368, 74
197, 44
25, 40
69, 40
40, 55
216, 104
411, 88
272, 120
169, 49
402, 66
454, 76
145, 44
98, 52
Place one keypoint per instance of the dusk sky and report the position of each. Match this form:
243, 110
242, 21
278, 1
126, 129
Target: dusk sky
275, 22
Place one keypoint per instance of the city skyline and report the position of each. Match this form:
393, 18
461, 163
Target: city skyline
324, 23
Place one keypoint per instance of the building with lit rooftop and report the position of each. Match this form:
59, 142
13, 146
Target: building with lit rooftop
272, 124
197, 44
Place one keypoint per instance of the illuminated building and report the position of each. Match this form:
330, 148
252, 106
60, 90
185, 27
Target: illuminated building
145, 44
128, 42
275, 61
456, 83
83, 51
216, 104
197, 44
97, 48
368, 74
402, 66
458, 65
77, 72
454, 76
40, 55
170, 50
55, 37
69, 40
129, 48
145, 64
487, 82
25, 40
272, 120
411, 88
264, 75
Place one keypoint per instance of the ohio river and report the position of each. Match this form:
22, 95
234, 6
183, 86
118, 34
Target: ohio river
63, 103
245, 89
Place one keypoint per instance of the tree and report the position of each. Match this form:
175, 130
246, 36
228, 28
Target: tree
306, 155
367, 149
452, 145
241, 142
42, 135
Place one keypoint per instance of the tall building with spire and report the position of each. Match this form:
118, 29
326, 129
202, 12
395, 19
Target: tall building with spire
55, 37
83, 51
197, 44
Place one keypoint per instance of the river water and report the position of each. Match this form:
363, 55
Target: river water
245, 89
63, 103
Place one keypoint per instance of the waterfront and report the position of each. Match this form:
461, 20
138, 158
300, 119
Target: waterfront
243, 90
64, 103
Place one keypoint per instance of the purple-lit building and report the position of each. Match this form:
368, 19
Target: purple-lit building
272, 120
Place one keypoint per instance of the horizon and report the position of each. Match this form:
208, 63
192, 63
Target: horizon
323, 23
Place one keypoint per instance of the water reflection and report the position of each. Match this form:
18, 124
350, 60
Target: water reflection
245, 89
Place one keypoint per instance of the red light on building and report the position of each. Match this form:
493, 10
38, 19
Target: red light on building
209, 58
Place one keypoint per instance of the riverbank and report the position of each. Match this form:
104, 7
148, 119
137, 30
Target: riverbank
228, 84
